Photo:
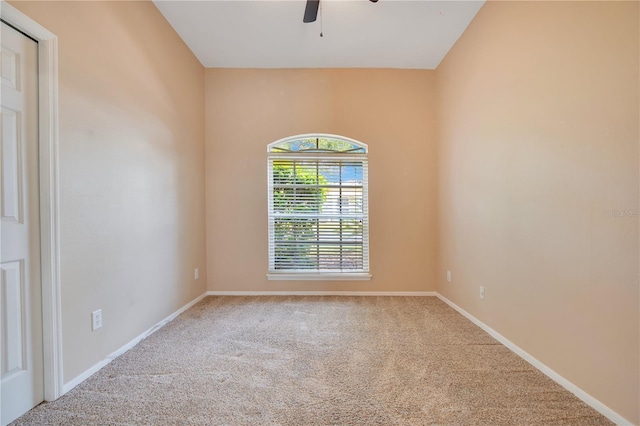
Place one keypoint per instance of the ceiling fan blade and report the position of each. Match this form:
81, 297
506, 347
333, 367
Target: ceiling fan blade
311, 11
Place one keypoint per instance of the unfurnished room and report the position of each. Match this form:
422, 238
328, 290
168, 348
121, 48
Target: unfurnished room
320, 212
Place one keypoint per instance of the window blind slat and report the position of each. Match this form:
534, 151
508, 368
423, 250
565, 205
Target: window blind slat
318, 214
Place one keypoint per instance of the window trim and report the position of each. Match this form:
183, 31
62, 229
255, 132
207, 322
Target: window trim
319, 276
306, 275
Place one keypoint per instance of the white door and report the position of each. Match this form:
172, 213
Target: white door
21, 379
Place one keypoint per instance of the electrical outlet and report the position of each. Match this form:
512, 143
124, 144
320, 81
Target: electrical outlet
196, 273
481, 292
96, 320
449, 276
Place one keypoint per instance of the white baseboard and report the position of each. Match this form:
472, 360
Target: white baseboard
84, 376
98, 366
585, 397
321, 293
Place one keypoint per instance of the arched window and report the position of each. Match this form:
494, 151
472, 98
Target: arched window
318, 208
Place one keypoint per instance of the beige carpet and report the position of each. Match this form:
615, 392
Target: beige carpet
318, 361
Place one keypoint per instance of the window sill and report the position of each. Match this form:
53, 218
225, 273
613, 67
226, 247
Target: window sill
319, 276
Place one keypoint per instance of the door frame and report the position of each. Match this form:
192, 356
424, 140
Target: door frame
49, 190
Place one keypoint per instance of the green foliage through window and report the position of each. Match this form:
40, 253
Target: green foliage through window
317, 206
318, 144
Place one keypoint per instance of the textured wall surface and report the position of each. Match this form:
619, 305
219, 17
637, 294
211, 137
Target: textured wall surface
131, 171
538, 186
390, 110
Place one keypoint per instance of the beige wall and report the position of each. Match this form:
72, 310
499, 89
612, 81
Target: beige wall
131, 172
390, 110
537, 119
538, 139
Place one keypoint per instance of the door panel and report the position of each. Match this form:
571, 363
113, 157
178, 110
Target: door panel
21, 358
11, 176
9, 69
15, 336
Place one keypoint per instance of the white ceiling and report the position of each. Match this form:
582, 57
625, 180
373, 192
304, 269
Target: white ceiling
357, 33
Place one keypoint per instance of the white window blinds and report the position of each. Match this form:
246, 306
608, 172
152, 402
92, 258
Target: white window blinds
318, 211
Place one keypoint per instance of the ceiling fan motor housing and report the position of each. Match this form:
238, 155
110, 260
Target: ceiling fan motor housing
311, 10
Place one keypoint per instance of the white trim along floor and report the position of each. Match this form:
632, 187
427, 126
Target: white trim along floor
585, 397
